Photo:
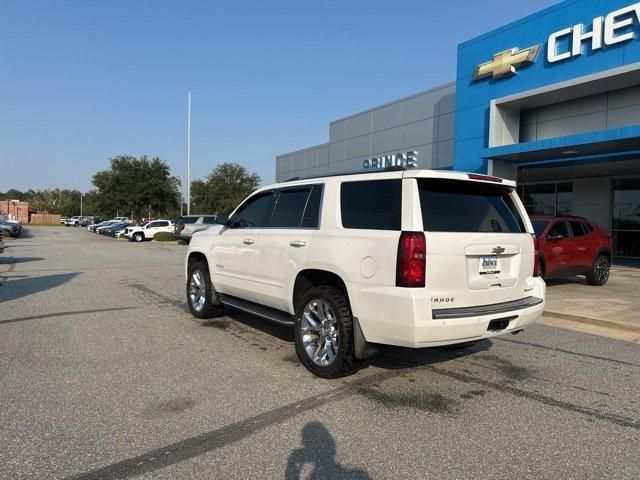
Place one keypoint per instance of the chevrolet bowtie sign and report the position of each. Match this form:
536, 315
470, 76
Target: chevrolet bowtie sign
615, 28
505, 63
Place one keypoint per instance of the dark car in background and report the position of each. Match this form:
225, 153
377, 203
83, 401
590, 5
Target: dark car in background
112, 230
568, 246
10, 229
187, 225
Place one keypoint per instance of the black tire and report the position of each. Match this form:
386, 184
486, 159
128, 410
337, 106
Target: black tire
138, 237
541, 269
600, 272
344, 362
76, 224
210, 308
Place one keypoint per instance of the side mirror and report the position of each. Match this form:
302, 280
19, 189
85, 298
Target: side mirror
555, 238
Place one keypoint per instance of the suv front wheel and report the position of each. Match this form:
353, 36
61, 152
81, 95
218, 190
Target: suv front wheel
200, 292
323, 330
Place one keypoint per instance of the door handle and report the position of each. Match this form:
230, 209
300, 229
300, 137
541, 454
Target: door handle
248, 241
297, 243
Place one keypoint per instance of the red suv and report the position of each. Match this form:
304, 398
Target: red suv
572, 246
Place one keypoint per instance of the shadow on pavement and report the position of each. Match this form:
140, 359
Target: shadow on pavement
280, 331
319, 452
10, 260
14, 289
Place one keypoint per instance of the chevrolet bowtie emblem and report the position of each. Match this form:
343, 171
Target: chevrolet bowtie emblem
505, 63
498, 250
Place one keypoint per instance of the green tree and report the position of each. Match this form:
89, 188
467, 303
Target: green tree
133, 185
223, 189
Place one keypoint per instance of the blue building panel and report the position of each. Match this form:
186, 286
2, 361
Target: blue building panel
474, 97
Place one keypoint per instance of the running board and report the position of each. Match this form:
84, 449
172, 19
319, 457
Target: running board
268, 313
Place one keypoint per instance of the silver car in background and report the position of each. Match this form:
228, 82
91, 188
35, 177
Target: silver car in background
187, 225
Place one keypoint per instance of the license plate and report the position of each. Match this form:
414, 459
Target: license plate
489, 265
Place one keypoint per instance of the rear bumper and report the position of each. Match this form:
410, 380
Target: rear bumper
404, 317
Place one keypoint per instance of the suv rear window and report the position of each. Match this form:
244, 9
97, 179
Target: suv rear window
372, 204
461, 206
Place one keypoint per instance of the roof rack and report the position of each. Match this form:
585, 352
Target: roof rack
352, 172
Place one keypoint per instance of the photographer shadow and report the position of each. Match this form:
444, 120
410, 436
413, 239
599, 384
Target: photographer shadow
319, 452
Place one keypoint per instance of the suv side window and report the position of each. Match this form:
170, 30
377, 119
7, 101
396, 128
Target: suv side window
576, 227
290, 207
152, 225
559, 228
209, 220
371, 204
588, 228
162, 224
255, 212
311, 218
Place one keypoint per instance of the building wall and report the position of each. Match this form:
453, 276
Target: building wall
16, 210
473, 98
423, 122
615, 109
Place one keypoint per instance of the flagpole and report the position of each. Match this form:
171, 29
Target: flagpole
189, 153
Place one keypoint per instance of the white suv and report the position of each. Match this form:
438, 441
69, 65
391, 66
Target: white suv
413, 258
147, 231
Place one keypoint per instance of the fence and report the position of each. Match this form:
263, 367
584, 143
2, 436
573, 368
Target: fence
45, 219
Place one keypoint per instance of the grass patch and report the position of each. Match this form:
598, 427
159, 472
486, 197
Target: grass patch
164, 237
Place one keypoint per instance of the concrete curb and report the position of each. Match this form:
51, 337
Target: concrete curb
593, 326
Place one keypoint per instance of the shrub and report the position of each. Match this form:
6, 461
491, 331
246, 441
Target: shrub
163, 237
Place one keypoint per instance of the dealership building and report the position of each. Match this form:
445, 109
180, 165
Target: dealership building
551, 100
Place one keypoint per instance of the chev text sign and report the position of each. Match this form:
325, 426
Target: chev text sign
406, 159
617, 27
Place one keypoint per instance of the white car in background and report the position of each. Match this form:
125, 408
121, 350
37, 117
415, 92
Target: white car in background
147, 232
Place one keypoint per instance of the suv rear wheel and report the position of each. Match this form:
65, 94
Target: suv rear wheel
599, 274
323, 330
200, 292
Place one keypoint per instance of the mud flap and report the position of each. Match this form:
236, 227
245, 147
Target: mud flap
362, 348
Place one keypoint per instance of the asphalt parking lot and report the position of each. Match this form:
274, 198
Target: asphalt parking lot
104, 374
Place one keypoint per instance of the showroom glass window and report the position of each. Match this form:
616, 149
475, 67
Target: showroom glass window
547, 198
626, 217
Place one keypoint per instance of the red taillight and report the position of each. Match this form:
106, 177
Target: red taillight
536, 257
412, 260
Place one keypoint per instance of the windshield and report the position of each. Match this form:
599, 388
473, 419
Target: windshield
539, 226
463, 206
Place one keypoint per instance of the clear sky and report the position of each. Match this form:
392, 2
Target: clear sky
85, 80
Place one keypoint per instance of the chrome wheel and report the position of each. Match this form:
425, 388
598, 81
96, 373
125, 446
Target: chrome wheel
602, 269
197, 291
319, 331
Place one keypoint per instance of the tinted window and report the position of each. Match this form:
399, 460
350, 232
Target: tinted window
588, 228
539, 226
152, 224
162, 224
576, 228
460, 206
289, 208
187, 220
559, 228
373, 205
253, 213
311, 218
209, 220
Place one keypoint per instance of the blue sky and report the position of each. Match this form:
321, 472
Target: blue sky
82, 81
